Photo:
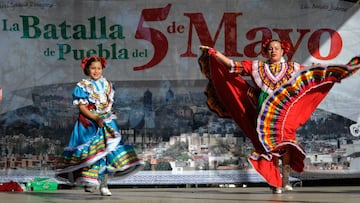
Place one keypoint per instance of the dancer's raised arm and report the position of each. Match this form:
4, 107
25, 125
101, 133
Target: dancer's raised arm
225, 60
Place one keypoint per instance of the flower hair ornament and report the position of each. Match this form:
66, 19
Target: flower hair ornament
284, 45
85, 61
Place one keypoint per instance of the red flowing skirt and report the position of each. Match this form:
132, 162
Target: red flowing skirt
281, 114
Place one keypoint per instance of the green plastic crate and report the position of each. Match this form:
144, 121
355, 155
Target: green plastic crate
42, 184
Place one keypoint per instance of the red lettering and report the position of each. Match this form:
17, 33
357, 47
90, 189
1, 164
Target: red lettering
230, 33
253, 49
155, 37
335, 44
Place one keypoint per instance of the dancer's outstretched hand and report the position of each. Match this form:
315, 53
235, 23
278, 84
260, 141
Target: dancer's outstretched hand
204, 48
207, 49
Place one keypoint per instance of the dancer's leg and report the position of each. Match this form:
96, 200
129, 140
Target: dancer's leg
104, 190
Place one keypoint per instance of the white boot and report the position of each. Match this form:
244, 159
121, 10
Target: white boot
288, 188
90, 189
276, 190
285, 179
104, 190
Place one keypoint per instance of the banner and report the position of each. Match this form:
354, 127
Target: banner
152, 49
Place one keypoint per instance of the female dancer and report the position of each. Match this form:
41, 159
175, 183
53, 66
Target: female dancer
282, 97
95, 149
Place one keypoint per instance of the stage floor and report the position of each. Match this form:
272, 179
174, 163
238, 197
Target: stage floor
333, 194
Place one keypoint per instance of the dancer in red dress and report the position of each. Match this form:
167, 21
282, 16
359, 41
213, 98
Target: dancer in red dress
282, 97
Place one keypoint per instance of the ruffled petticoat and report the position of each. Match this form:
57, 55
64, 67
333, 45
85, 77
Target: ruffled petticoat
103, 153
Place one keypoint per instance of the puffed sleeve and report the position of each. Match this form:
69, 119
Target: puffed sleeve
80, 96
241, 67
247, 64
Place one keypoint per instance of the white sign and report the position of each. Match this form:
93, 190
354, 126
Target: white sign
44, 41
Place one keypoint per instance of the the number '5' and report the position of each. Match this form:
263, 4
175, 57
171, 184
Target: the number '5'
155, 37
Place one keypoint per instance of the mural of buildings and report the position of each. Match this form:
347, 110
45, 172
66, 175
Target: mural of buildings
157, 118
